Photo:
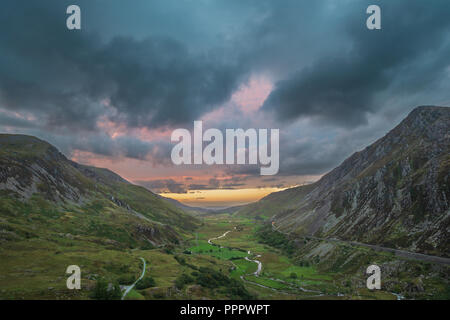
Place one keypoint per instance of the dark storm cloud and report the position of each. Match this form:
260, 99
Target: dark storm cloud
158, 63
310, 159
64, 76
243, 170
11, 121
103, 145
159, 82
170, 185
155, 151
41, 67
342, 87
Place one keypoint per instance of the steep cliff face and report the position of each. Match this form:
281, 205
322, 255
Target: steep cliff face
394, 193
36, 177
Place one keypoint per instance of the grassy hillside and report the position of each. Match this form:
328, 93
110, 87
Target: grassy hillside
54, 213
278, 202
30, 168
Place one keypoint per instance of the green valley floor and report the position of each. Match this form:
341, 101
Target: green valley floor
226, 258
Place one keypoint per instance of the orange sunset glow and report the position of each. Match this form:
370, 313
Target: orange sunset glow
246, 188
221, 197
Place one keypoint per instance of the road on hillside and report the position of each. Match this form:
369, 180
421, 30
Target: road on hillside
259, 269
129, 288
397, 252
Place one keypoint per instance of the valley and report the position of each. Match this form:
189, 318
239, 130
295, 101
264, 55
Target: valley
286, 274
385, 205
217, 261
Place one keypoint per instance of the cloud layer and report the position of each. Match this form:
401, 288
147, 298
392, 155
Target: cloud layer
135, 72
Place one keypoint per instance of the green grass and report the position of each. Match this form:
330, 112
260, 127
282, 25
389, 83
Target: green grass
267, 282
221, 253
309, 273
134, 295
37, 250
242, 267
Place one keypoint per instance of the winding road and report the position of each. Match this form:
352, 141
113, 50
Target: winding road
130, 287
397, 252
259, 269
259, 263
219, 237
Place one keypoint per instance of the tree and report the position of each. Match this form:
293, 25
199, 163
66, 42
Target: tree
106, 291
182, 280
145, 283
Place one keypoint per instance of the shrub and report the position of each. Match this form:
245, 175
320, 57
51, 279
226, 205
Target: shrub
126, 279
145, 283
275, 239
180, 260
303, 263
106, 291
182, 280
124, 268
158, 295
147, 246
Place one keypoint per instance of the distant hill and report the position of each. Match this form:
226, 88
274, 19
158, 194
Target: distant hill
395, 192
37, 182
198, 211
186, 208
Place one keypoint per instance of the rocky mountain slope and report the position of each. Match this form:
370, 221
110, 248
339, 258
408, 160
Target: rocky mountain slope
394, 193
40, 187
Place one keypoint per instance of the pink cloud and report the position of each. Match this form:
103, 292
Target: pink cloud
250, 97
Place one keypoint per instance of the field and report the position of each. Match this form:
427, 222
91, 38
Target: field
34, 267
275, 280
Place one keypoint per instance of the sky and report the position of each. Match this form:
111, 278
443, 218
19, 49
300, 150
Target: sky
111, 94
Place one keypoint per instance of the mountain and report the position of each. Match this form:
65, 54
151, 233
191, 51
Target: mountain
42, 191
394, 193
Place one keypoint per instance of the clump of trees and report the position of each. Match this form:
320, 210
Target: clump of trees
146, 282
212, 279
126, 279
275, 239
303, 263
183, 280
180, 260
105, 290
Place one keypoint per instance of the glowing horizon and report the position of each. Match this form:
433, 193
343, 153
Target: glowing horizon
222, 197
